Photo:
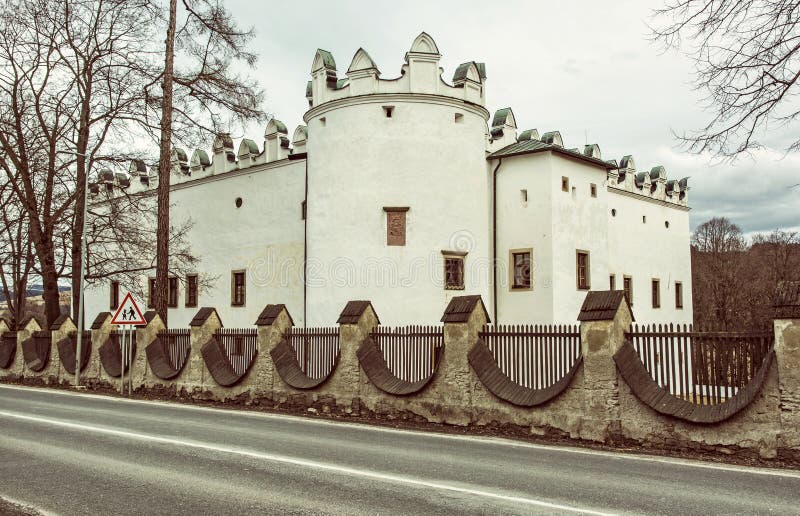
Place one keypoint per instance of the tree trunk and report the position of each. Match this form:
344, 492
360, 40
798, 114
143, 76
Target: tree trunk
164, 170
45, 251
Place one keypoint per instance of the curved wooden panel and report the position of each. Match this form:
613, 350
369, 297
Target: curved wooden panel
36, 350
288, 368
8, 349
111, 356
484, 365
662, 401
159, 360
374, 365
219, 365
67, 351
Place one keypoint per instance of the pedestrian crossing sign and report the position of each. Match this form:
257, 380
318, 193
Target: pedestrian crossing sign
128, 312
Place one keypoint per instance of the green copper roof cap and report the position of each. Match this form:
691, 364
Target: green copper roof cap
501, 116
528, 134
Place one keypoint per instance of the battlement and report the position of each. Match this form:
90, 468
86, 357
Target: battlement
420, 74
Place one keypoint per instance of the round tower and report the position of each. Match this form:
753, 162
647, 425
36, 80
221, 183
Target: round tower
398, 187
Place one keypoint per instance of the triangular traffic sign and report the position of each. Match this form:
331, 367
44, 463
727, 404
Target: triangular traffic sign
128, 312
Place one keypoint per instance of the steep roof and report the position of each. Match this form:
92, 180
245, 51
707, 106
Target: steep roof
534, 146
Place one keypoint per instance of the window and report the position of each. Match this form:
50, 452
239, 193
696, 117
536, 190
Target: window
523, 195
612, 282
151, 293
613, 212
459, 118
388, 110
582, 269
191, 290
521, 277
564, 184
593, 189
172, 299
303, 210
114, 295
644, 219
678, 294
666, 224
453, 270
656, 292
395, 225
322, 121
238, 202
238, 288
627, 286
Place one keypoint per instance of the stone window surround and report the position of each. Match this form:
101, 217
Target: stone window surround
399, 212
587, 285
234, 274
453, 255
511, 269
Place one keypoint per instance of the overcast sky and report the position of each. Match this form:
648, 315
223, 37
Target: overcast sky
585, 68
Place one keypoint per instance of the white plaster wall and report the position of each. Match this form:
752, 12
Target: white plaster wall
647, 250
579, 222
525, 225
361, 161
264, 236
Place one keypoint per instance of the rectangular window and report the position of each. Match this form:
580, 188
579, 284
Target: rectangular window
582, 270
453, 270
564, 184
521, 278
627, 286
172, 299
395, 225
238, 288
678, 294
593, 189
151, 293
191, 290
114, 295
612, 282
656, 291
303, 210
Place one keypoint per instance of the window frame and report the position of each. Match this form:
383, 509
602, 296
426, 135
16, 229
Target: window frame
612, 282
191, 288
172, 293
679, 295
455, 256
587, 285
655, 292
565, 184
593, 189
628, 291
234, 301
512, 277
151, 292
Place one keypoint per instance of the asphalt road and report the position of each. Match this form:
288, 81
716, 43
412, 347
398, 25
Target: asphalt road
67, 453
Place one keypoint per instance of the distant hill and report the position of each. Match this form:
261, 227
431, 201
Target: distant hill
35, 290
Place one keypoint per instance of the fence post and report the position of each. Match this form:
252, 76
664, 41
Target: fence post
201, 329
356, 321
272, 324
60, 331
605, 317
463, 319
787, 354
145, 335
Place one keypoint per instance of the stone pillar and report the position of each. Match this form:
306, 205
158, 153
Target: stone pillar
145, 335
25, 331
100, 329
14, 369
605, 317
787, 356
356, 321
201, 329
61, 330
272, 324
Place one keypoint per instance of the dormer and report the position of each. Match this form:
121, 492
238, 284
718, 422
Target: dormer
642, 182
323, 75
299, 139
592, 150
122, 179
224, 158
683, 187
137, 168
627, 169
179, 162
552, 138
276, 142
248, 152
423, 65
106, 178
199, 161
470, 77
658, 179
527, 135
504, 129
362, 74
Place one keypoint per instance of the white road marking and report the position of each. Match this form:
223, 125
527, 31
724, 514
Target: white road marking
304, 463
437, 435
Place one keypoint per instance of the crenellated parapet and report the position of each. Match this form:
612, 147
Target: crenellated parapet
652, 184
421, 74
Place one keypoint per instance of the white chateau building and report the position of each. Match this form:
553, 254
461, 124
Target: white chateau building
406, 191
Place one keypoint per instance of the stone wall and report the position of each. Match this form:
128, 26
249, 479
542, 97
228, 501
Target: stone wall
598, 405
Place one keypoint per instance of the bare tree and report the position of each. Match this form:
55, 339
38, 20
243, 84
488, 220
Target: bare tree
747, 58
16, 255
194, 93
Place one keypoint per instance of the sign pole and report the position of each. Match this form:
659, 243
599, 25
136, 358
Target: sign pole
127, 317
